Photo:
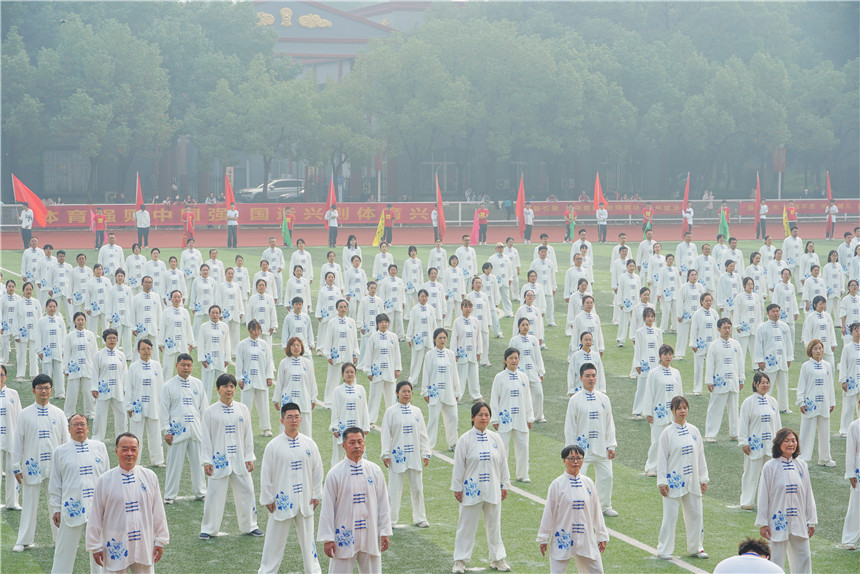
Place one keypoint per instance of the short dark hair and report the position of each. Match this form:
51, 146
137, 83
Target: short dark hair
402, 384
565, 452
587, 367
476, 408
780, 437
224, 380
758, 546
723, 321
184, 357
289, 407
42, 379
125, 434
351, 430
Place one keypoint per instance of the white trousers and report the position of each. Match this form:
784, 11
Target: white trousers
779, 383
30, 507
714, 418
682, 340
470, 382
747, 346
851, 527
243, 498
582, 563
668, 315
602, 479
120, 419
54, 369
505, 294
233, 329
485, 347
337, 452
176, 454
849, 412
453, 311
494, 321
277, 533
168, 365
208, 378
416, 364
152, 430
536, 390
124, 340
750, 478
808, 426
698, 372
656, 431
196, 321
12, 486
449, 419
623, 326
639, 398
467, 527
25, 350
521, 450
797, 550
77, 387
5, 347
333, 380
380, 389
66, 549
550, 308
260, 398
416, 493
367, 564
396, 316
691, 505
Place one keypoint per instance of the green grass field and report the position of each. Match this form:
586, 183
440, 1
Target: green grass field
636, 497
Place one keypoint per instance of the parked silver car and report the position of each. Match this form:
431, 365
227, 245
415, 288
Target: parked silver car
281, 190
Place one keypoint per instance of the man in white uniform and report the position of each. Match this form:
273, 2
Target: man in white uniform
111, 256
77, 466
753, 558
504, 269
26, 219
355, 521
546, 273
724, 375
468, 259
774, 354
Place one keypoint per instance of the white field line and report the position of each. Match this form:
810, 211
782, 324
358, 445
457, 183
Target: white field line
9, 271
615, 534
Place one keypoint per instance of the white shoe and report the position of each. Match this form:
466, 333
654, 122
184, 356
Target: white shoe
267, 433
700, 554
664, 556
650, 473
542, 420
829, 463
459, 567
500, 565
423, 524
710, 439
610, 512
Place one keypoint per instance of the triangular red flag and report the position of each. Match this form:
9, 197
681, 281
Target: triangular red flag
476, 227
757, 202
92, 219
829, 191
24, 195
521, 207
330, 200
138, 201
598, 192
440, 212
228, 192
684, 225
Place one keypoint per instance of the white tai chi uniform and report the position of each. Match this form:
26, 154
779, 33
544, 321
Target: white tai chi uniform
355, 288
687, 303
60, 282
467, 341
645, 357
681, 466
8, 309
784, 296
481, 310
339, 344
820, 326
74, 472
572, 524
786, 505
48, 338
758, 423
670, 285
436, 300
728, 287
746, 317
146, 310
834, 280
255, 367
725, 371
405, 445
589, 424
143, 402
27, 315
297, 383
174, 280
10, 410
759, 276
531, 363
703, 330
585, 321
480, 473
368, 309
355, 513
79, 354
228, 446
111, 257
381, 360
546, 278
232, 302
40, 431
815, 392
792, 250
298, 325
381, 261
468, 261
110, 378
851, 527
849, 375
685, 258
302, 258
413, 275
511, 407
182, 404
664, 384
514, 255
504, 269
422, 323
709, 272
348, 409
579, 358
275, 257
628, 294
119, 316
127, 520
261, 307
347, 254
533, 314
175, 335
455, 289
291, 476
157, 271
437, 259
134, 271
392, 291
441, 383
214, 348
203, 294
326, 308
774, 348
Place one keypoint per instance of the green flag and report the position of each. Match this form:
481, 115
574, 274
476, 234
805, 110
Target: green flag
285, 232
724, 224
644, 231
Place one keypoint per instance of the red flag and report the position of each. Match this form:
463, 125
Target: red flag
598, 192
757, 202
24, 195
331, 200
440, 213
521, 206
228, 192
684, 225
139, 198
829, 192
476, 227
92, 219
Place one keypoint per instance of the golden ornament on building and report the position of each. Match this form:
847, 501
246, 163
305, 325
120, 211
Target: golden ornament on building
314, 21
264, 19
286, 17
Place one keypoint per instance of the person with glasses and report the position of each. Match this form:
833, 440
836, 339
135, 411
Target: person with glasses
41, 429
10, 410
572, 518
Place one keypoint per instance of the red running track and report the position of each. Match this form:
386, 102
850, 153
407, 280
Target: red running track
258, 236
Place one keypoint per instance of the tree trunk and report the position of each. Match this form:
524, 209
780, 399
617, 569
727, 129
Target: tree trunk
94, 162
267, 165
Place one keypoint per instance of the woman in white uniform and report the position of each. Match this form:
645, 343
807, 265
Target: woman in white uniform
441, 389
297, 383
413, 275
351, 250
532, 364
816, 399
79, 353
687, 304
530, 311
703, 330
511, 401
664, 383
834, 282
758, 423
747, 315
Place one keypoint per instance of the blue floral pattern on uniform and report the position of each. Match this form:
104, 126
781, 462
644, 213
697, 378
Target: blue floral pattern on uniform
170, 343
219, 460
24, 332
140, 328
563, 540
745, 327
433, 390
137, 406
28, 275
417, 340
684, 269
246, 378
628, 303
375, 370
282, 501
46, 352
790, 261
74, 508
78, 296
667, 293
719, 381
701, 343
132, 281
809, 404
398, 455
208, 358
686, 315
341, 426
461, 353
582, 441
450, 294
389, 304
831, 292
470, 488
176, 428
32, 466
94, 305
505, 417
465, 272
57, 290
771, 361
324, 313
852, 382
198, 307
103, 387
114, 318
780, 522
73, 367
660, 410
43, 283
644, 365
334, 354
225, 314
783, 314
343, 536
410, 287
5, 325
675, 480
754, 442
188, 272
116, 549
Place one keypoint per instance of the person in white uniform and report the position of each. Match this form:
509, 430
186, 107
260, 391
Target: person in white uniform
8, 330
108, 386
481, 310
381, 261
118, 312
127, 529
480, 481
851, 526
182, 404
787, 515
504, 269
747, 315
438, 257
40, 430
792, 249
111, 255
213, 349
27, 315
664, 383
351, 250
724, 376
774, 353
546, 278
381, 363
204, 293
79, 353
413, 273
819, 325
291, 487
511, 401
572, 525
297, 323
355, 520
60, 282
10, 410
758, 423
348, 410
297, 383
146, 309
175, 334
687, 303
784, 296
468, 258
628, 291
133, 268
441, 389
816, 399
682, 476
422, 324
753, 553
49, 334
849, 378
589, 425
709, 272
703, 330
339, 344
232, 301
301, 258
275, 257
326, 307
356, 285
227, 456
157, 270
686, 253
405, 452
256, 369
392, 291
649, 339
76, 468
143, 401
455, 289
531, 363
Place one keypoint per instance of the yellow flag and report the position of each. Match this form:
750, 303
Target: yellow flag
380, 229
785, 221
